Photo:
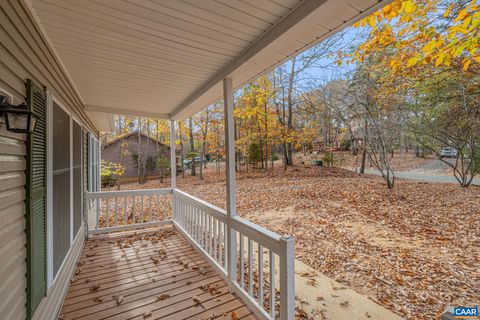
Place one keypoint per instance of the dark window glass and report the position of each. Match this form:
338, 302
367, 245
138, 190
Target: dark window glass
61, 186
77, 177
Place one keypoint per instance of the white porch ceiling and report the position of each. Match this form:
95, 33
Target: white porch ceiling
166, 58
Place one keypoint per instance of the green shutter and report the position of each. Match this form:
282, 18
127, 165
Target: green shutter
36, 206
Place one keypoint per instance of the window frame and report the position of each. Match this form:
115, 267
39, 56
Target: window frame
51, 99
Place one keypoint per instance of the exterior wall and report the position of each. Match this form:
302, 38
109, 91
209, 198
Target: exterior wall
25, 54
112, 152
49, 307
12, 225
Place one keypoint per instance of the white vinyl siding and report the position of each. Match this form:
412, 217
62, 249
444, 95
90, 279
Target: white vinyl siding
12, 225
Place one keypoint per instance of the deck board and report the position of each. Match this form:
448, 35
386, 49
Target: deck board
122, 265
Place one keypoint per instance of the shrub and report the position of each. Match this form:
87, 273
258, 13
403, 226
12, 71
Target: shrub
328, 159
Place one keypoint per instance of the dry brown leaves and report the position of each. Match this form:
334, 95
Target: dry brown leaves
414, 249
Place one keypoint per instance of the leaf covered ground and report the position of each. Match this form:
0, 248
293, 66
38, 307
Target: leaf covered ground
414, 250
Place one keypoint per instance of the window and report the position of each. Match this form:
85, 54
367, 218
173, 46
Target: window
65, 187
77, 176
94, 165
61, 166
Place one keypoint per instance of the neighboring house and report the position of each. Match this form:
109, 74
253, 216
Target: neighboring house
133, 149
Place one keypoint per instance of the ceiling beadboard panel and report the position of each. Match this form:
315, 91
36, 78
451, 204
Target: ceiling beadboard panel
163, 57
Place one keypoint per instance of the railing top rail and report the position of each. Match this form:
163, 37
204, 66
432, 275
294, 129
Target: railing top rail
126, 193
265, 237
200, 201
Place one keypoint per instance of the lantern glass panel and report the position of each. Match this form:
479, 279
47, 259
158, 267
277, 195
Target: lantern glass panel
17, 121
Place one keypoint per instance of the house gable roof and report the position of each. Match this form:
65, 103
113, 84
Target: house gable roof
135, 133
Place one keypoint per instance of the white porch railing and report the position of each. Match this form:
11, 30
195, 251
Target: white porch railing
109, 211
264, 274
255, 282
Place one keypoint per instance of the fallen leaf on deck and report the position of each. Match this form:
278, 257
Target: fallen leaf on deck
95, 287
119, 300
163, 297
197, 300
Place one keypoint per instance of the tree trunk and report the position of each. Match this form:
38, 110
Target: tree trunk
266, 136
291, 79
364, 150
202, 159
192, 146
182, 151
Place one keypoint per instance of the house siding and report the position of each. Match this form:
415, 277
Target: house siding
25, 54
111, 152
12, 225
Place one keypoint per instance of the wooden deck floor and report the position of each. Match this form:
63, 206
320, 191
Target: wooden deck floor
154, 274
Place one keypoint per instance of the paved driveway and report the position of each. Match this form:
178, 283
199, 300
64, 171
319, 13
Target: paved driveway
422, 176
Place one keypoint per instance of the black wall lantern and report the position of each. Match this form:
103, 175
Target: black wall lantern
18, 118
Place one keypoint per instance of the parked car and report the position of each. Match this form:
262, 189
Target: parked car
448, 152
187, 162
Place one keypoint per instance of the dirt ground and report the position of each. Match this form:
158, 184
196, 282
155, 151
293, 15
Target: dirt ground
415, 249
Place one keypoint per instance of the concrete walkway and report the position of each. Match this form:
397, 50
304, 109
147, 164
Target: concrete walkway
412, 175
323, 298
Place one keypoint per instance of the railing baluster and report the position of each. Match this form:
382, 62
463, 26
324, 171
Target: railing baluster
191, 215
225, 245
195, 222
250, 266
116, 212
215, 257
206, 230
203, 229
272, 283
141, 209
125, 215
198, 213
260, 275
157, 206
106, 213
210, 240
220, 243
133, 210
242, 264
97, 202
149, 209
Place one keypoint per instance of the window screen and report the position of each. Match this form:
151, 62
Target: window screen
93, 174
77, 177
60, 186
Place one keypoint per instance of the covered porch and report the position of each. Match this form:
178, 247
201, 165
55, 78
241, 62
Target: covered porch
255, 265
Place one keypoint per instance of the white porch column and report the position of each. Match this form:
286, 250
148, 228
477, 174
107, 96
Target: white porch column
173, 159
231, 184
